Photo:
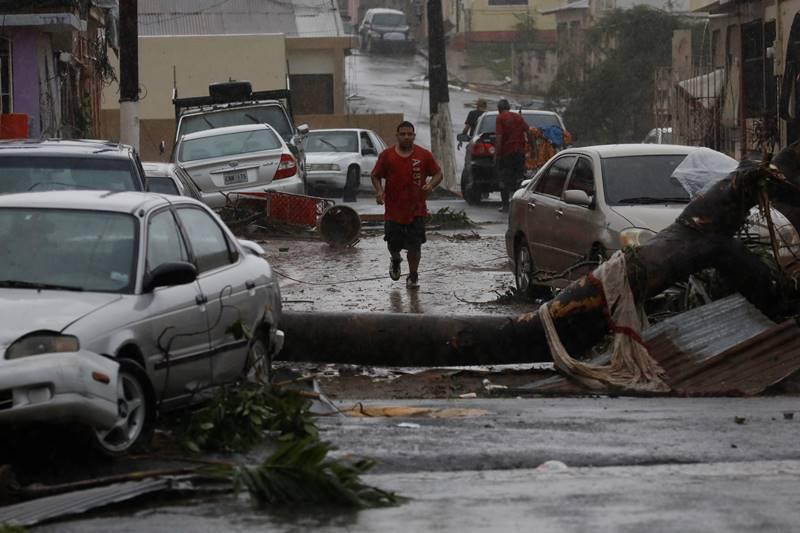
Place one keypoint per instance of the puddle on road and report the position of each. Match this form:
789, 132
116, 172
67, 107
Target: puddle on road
456, 277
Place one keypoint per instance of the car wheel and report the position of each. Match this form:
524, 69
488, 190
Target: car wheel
136, 418
468, 192
524, 272
352, 184
258, 362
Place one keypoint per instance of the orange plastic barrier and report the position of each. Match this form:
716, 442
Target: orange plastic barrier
13, 126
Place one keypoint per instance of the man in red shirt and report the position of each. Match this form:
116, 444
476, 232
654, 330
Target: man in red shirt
512, 138
405, 167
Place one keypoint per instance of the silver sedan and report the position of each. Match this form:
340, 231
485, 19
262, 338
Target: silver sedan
235, 159
118, 305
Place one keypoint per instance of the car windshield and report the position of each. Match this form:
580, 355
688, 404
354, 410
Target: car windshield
67, 249
268, 114
534, 120
27, 173
643, 179
389, 19
343, 141
228, 144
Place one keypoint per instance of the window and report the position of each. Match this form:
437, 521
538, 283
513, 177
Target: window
273, 115
164, 242
209, 244
582, 177
642, 180
366, 142
6, 103
332, 141
230, 144
88, 250
508, 2
162, 186
23, 173
552, 181
312, 94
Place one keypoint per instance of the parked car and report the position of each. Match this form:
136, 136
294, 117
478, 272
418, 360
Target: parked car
659, 136
234, 103
589, 202
385, 29
93, 281
40, 165
249, 158
169, 178
479, 177
342, 158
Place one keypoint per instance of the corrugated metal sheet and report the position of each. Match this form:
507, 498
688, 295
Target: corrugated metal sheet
43, 509
294, 18
710, 329
726, 347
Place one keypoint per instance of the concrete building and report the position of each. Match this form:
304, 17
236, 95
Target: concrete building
740, 94
192, 43
53, 63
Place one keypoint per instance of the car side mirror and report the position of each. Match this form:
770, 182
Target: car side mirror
463, 138
303, 129
169, 275
162, 147
525, 183
576, 197
369, 151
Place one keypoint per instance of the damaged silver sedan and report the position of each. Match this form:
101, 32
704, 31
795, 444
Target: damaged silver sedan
117, 306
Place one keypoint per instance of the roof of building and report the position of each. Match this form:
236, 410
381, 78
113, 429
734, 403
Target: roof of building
294, 18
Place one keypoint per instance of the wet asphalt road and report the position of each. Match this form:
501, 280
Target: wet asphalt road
633, 464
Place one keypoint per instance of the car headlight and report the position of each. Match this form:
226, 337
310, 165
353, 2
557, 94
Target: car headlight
41, 343
634, 237
334, 168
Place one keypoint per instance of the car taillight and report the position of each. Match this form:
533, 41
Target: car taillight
286, 168
482, 149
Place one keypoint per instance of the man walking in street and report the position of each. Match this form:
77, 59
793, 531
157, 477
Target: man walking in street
512, 137
405, 167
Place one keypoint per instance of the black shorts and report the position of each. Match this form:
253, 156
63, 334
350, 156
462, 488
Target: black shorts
404, 236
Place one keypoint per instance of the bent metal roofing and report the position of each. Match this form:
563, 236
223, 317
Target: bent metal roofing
294, 18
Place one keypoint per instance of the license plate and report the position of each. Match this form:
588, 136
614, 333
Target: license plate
231, 178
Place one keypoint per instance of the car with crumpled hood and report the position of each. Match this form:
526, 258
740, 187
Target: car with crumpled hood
119, 305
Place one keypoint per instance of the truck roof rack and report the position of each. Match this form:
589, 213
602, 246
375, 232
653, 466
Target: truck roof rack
182, 104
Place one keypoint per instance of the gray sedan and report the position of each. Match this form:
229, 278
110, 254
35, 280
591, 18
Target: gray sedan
154, 283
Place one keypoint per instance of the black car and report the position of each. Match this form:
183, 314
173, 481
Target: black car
39, 165
479, 177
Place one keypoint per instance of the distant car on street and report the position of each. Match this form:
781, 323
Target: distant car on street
386, 30
169, 178
117, 305
342, 158
51, 164
251, 158
589, 202
479, 177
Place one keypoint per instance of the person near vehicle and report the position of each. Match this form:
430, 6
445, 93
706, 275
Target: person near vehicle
472, 119
405, 167
512, 138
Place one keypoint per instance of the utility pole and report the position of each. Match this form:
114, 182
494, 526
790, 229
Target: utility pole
439, 96
129, 73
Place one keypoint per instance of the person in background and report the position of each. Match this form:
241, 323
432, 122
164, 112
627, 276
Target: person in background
512, 139
405, 167
472, 118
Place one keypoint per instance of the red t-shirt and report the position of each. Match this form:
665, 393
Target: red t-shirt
405, 177
513, 128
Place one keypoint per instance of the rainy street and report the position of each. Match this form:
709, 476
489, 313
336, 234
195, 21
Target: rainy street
513, 462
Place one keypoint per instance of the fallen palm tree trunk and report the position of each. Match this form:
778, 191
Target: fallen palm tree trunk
702, 237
